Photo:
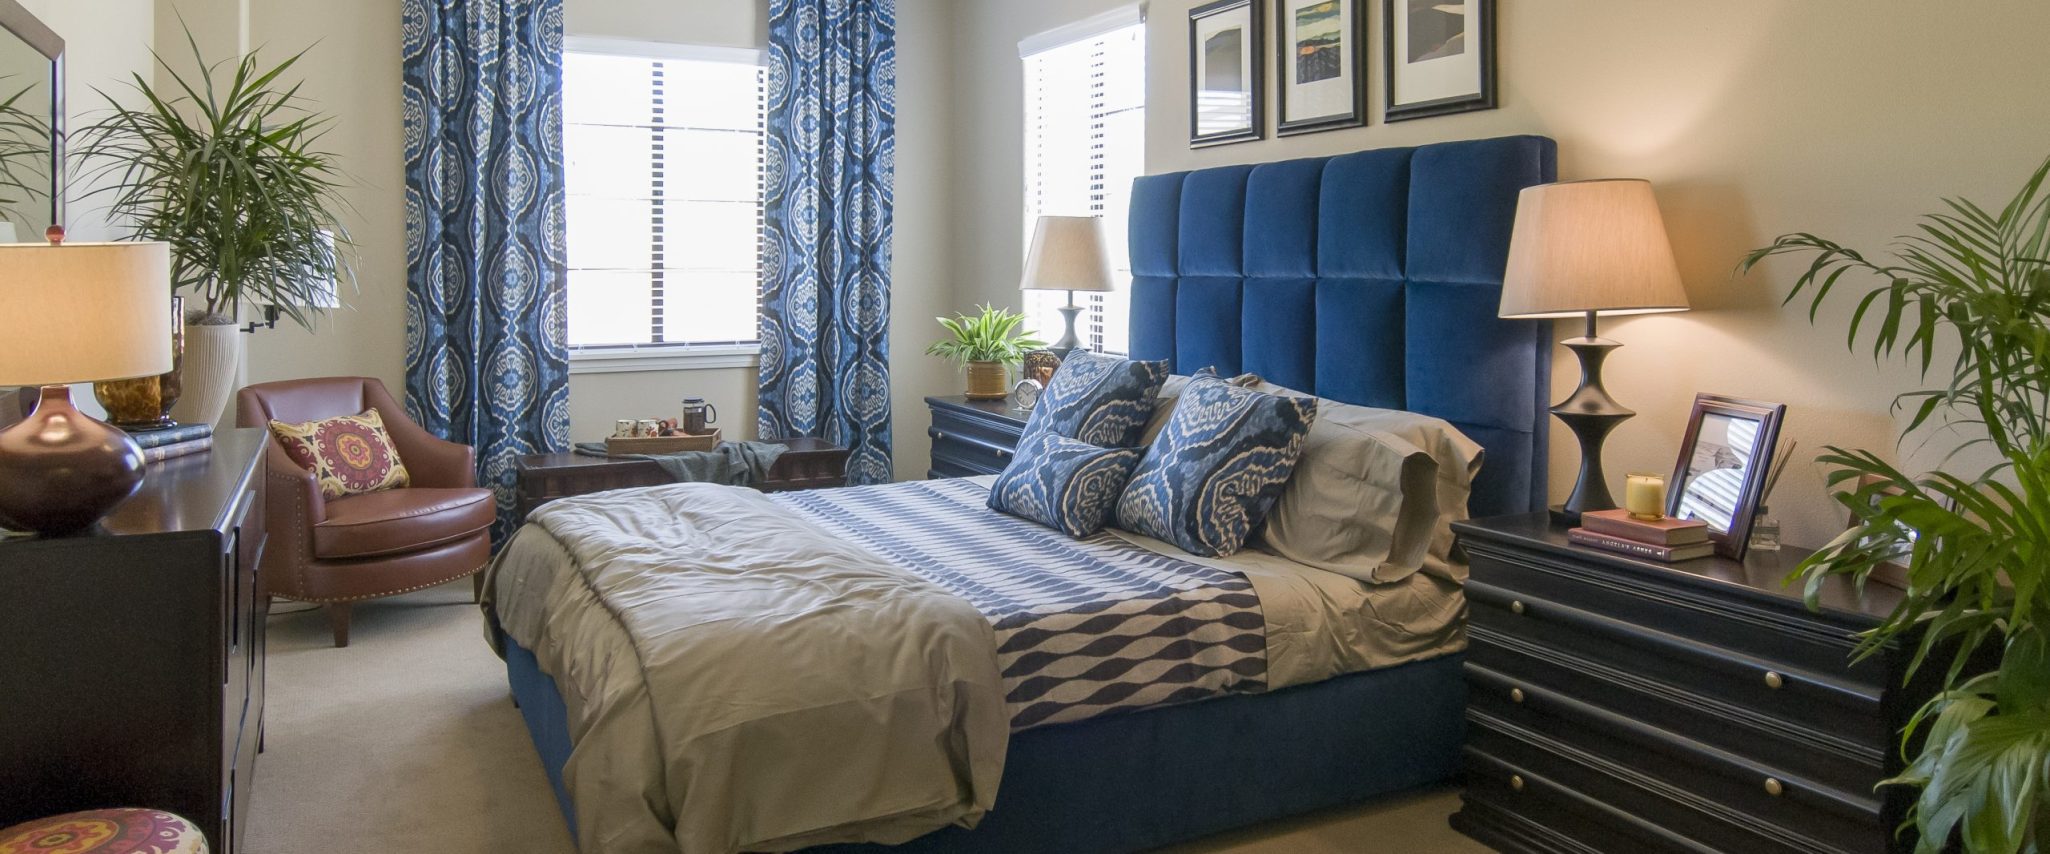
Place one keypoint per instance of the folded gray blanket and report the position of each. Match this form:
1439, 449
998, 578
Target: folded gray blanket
731, 463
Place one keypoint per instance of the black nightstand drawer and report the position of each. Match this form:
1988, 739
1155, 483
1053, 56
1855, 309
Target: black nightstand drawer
972, 437
1824, 756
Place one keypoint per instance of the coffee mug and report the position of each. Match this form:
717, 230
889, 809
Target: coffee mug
624, 428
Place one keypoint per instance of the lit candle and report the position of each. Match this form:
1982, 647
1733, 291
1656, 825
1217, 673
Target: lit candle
1644, 495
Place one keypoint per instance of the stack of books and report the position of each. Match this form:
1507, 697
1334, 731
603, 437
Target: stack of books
1667, 539
172, 442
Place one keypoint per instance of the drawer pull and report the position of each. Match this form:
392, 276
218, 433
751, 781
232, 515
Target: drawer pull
1516, 607
939, 435
1774, 680
1516, 695
1774, 788
1516, 782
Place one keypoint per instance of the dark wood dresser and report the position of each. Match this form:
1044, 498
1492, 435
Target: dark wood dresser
131, 658
1623, 705
972, 437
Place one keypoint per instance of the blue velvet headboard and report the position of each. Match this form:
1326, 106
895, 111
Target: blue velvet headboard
1370, 278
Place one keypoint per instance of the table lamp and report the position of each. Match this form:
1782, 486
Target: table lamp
84, 312
1067, 255
1587, 248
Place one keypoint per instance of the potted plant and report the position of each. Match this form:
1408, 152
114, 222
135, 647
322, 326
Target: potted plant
230, 175
1972, 287
985, 343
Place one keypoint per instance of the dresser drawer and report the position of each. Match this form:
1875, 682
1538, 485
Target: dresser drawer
1738, 788
1656, 789
971, 444
1711, 659
1509, 667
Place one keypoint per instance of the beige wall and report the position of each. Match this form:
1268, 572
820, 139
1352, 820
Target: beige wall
1753, 117
104, 44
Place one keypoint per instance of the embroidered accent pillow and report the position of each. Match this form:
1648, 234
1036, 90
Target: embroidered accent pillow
1218, 466
1063, 483
349, 454
1098, 399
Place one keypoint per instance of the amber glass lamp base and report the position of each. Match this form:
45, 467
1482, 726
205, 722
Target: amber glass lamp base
62, 470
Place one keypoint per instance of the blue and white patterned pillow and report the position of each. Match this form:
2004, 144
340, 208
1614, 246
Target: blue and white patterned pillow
1101, 400
1064, 484
1217, 468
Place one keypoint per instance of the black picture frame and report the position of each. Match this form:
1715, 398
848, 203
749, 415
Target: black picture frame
1255, 51
1356, 59
1733, 541
1484, 99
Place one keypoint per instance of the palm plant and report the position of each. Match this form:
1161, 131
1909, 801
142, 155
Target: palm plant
24, 151
992, 335
233, 179
1976, 283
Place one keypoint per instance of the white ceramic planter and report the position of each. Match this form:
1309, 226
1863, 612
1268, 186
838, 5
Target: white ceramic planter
213, 356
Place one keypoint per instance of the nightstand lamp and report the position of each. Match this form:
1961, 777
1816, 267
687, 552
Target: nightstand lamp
1067, 255
1582, 249
82, 312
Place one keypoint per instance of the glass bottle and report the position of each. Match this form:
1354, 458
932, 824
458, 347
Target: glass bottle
1765, 531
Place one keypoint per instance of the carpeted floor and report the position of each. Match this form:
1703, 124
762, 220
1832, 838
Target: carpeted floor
406, 742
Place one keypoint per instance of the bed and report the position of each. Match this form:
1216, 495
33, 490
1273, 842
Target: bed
1369, 278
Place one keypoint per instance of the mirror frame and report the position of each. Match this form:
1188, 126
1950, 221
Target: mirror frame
1732, 543
18, 20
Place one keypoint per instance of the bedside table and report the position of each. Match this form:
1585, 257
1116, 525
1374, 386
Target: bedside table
972, 437
1619, 704
810, 463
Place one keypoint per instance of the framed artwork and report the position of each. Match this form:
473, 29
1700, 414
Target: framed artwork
1319, 60
1440, 57
1225, 88
1722, 467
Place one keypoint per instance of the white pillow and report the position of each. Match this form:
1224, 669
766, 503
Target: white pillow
1375, 494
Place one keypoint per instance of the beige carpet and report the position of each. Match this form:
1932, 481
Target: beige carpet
406, 742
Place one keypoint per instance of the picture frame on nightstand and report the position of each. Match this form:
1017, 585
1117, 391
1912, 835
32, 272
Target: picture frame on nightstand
1721, 472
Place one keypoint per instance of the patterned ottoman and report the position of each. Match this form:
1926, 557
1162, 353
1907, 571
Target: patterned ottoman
117, 831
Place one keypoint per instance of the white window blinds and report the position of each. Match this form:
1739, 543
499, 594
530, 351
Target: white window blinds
664, 173
1085, 141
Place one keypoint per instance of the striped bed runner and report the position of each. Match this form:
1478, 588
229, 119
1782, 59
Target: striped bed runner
1083, 627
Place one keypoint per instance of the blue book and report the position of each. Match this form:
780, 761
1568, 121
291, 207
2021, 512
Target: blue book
172, 435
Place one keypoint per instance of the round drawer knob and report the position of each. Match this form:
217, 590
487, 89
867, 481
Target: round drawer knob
1516, 695
940, 435
1774, 680
1774, 788
1516, 782
1516, 606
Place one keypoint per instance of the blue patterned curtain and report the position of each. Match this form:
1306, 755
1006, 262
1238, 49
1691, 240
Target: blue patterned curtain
486, 360
826, 240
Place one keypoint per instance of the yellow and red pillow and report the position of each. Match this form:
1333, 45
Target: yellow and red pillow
348, 454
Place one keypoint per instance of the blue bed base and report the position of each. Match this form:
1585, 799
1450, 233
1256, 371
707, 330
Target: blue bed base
1128, 782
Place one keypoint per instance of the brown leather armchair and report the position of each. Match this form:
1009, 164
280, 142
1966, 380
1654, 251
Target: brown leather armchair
344, 550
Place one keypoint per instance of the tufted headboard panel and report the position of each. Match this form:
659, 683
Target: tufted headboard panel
1369, 278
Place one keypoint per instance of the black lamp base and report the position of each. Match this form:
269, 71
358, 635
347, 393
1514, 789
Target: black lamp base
1591, 414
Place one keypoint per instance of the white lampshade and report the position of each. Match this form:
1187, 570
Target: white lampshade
1584, 246
84, 312
1067, 255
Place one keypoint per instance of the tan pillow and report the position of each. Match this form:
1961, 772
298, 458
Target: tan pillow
1375, 494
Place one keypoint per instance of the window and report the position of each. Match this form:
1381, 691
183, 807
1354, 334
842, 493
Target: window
1085, 141
664, 170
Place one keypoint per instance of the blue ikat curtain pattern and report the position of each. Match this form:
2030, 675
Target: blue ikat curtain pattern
831, 154
486, 359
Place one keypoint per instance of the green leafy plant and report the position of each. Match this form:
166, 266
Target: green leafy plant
229, 173
1976, 284
990, 336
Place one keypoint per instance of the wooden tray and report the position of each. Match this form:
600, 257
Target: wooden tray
662, 444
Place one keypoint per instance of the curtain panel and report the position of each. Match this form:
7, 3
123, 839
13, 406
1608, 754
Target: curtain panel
486, 306
830, 159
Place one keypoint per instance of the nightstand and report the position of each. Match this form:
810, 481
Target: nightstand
972, 437
1619, 704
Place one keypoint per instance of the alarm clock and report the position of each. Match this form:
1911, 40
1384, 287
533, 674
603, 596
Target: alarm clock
1025, 394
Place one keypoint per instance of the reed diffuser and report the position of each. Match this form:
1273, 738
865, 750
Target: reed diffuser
1765, 527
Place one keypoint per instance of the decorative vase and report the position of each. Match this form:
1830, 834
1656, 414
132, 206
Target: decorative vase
988, 381
213, 353
144, 403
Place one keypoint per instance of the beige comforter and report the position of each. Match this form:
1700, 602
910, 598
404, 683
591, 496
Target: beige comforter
867, 706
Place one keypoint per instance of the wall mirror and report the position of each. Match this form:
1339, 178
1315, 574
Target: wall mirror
1722, 467
31, 125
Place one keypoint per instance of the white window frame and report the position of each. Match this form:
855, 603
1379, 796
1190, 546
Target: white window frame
640, 358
